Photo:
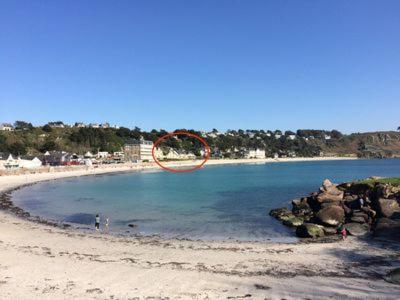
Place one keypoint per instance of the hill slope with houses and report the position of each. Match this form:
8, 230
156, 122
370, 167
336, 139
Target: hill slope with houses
23, 139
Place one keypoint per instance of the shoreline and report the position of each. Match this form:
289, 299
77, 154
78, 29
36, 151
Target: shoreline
8, 206
39, 261
111, 168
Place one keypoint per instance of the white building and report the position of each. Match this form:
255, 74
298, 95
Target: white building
94, 125
10, 163
327, 137
56, 124
30, 163
212, 135
292, 137
136, 150
88, 155
6, 127
102, 154
254, 153
173, 154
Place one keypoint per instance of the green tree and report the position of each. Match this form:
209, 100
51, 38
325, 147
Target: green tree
47, 128
49, 145
22, 125
17, 148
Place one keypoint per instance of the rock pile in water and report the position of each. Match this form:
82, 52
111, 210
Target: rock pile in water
363, 207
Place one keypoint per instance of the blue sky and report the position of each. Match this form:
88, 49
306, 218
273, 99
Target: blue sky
202, 64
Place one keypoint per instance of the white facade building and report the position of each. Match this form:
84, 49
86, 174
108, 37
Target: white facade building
254, 153
102, 154
136, 150
30, 163
6, 127
173, 154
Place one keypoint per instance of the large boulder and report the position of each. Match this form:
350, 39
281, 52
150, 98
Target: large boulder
387, 228
393, 276
330, 230
309, 230
329, 192
356, 229
331, 215
351, 201
360, 217
324, 197
387, 207
370, 212
329, 187
300, 207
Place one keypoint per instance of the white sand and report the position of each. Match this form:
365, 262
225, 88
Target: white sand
42, 262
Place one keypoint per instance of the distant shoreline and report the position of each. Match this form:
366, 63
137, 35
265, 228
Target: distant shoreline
112, 168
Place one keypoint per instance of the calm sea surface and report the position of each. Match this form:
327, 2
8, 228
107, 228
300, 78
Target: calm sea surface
217, 202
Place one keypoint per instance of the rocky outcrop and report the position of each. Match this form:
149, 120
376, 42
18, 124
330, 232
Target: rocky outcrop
287, 217
359, 207
282, 214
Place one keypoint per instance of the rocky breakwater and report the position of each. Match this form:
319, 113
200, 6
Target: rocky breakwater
366, 207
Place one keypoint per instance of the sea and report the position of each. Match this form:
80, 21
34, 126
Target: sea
219, 202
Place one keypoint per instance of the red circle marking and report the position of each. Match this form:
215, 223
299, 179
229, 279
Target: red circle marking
167, 136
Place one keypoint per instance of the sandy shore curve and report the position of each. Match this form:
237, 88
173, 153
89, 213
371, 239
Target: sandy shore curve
43, 262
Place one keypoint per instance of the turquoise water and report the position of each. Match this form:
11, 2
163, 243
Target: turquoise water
217, 202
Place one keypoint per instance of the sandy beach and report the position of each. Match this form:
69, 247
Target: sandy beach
42, 262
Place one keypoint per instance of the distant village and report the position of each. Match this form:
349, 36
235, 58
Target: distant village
139, 150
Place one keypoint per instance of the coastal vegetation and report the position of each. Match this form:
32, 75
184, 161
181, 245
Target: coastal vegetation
32, 140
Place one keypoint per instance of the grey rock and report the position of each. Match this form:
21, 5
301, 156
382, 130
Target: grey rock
358, 219
356, 229
330, 230
387, 207
293, 221
331, 215
309, 230
387, 228
393, 276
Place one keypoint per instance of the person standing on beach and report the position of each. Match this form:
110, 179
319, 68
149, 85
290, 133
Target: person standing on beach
344, 233
97, 222
107, 224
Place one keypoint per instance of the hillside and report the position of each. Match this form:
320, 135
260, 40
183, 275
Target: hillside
26, 139
370, 144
